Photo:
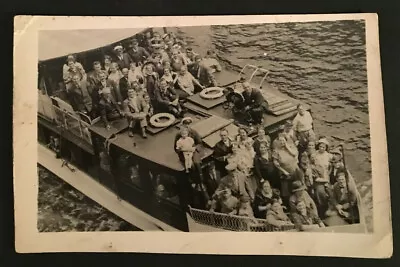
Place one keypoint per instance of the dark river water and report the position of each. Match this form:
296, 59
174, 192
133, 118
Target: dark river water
320, 63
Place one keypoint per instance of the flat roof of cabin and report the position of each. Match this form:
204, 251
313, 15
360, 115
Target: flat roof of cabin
159, 148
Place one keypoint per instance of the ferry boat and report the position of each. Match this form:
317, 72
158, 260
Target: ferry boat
121, 173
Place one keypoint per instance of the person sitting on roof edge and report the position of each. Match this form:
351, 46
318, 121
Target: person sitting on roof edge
167, 99
134, 111
202, 73
109, 109
254, 102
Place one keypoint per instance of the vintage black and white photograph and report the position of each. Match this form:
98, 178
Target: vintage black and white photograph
260, 127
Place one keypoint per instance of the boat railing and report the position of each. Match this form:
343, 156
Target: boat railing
254, 72
235, 222
74, 122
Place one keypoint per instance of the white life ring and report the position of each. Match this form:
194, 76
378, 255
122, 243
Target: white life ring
212, 93
156, 121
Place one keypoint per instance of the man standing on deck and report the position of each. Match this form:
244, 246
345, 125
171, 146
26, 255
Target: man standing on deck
109, 109
124, 84
79, 96
303, 127
254, 102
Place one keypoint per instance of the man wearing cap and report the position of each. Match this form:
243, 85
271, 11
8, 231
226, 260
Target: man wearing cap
122, 59
299, 193
303, 127
336, 164
109, 109
137, 53
254, 102
202, 73
79, 96
343, 199
167, 99
134, 111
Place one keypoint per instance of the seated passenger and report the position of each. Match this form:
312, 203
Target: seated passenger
225, 202
276, 216
137, 53
167, 99
261, 137
264, 198
177, 60
71, 69
185, 144
124, 84
103, 83
237, 182
285, 159
139, 89
210, 61
107, 63
148, 107
304, 219
245, 207
264, 168
134, 111
243, 137
135, 73
303, 127
169, 76
157, 58
122, 59
186, 83
80, 99
190, 55
109, 109
299, 193
343, 199
94, 76
202, 73
254, 102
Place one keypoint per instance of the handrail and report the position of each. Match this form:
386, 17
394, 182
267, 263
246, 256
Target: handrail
235, 222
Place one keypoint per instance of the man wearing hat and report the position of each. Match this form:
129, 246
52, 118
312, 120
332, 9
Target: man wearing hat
335, 165
137, 53
202, 73
122, 59
299, 193
109, 109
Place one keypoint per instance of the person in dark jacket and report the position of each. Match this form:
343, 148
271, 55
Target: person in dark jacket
94, 76
137, 53
124, 84
222, 150
254, 102
167, 99
202, 73
79, 96
109, 109
122, 59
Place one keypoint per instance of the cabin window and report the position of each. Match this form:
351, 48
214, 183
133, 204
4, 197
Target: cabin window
165, 186
128, 170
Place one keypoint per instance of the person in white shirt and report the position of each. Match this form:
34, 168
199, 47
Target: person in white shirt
134, 110
186, 82
186, 144
303, 127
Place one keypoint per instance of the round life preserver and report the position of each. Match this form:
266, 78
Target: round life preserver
212, 93
158, 121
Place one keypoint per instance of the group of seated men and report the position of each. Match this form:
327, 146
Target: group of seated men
137, 82
294, 179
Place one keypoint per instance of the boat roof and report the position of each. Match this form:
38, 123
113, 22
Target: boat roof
159, 147
60, 43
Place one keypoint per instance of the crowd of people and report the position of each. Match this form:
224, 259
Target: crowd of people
295, 179
139, 81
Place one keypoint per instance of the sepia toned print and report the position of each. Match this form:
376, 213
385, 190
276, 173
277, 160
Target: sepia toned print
248, 127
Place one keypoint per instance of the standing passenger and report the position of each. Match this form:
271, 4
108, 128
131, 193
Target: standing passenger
303, 127
185, 144
222, 150
134, 110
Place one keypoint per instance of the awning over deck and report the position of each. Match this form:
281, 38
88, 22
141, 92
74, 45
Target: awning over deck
58, 43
